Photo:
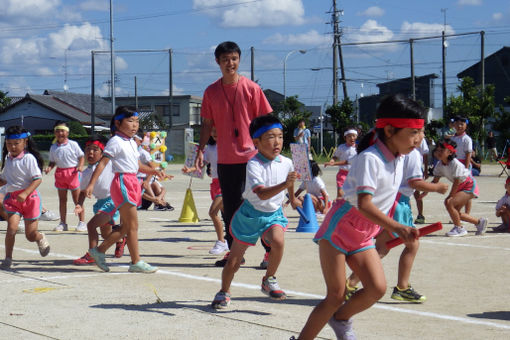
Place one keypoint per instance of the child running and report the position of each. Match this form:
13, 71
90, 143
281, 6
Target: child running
211, 157
21, 175
68, 157
268, 175
125, 190
343, 157
464, 188
346, 235
317, 190
402, 213
105, 213
503, 210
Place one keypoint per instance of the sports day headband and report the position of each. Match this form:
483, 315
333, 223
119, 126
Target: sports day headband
18, 135
260, 131
400, 123
96, 143
350, 132
121, 116
61, 127
449, 147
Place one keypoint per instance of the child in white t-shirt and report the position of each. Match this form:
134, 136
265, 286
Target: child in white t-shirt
342, 157
317, 190
503, 210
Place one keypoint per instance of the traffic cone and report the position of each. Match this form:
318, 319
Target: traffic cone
189, 211
308, 220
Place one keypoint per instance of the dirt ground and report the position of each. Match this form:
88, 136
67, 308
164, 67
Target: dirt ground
464, 279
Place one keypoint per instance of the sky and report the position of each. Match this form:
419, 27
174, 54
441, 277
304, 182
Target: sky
47, 44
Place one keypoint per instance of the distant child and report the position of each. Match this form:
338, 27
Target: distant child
424, 151
67, 155
125, 190
105, 213
268, 175
464, 146
402, 213
342, 157
464, 188
503, 210
211, 157
21, 175
346, 235
317, 190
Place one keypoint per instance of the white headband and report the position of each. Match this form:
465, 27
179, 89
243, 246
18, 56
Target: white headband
351, 131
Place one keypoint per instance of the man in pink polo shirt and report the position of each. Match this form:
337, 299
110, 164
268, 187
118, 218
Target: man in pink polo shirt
230, 104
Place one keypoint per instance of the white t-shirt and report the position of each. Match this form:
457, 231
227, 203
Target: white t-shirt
65, 155
145, 158
375, 171
103, 183
345, 152
453, 170
304, 138
464, 145
211, 157
20, 172
266, 173
412, 171
502, 201
314, 186
424, 147
123, 153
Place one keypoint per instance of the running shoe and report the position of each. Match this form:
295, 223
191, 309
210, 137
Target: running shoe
420, 219
223, 261
7, 263
99, 259
349, 291
159, 207
48, 215
82, 226
219, 247
85, 259
265, 261
342, 328
502, 228
271, 288
457, 231
142, 267
481, 226
44, 246
221, 300
408, 294
61, 227
119, 247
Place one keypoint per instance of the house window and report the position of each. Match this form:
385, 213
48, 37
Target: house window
176, 110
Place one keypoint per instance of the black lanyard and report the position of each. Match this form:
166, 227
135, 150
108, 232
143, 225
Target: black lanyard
236, 132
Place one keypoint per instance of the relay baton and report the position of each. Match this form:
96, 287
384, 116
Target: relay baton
423, 231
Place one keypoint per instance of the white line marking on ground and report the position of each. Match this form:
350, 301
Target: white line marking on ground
464, 245
289, 292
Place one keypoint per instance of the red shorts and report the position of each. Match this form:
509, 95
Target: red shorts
346, 229
30, 209
67, 178
340, 177
469, 186
215, 188
126, 188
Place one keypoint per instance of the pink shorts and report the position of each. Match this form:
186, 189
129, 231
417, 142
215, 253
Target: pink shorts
340, 178
215, 188
67, 178
469, 186
346, 229
30, 209
126, 188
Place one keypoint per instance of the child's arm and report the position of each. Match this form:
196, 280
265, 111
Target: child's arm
49, 167
95, 175
265, 193
187, 170
468, 159
294, 201
147, 169
78, 208
81, 161
370, 211
326, 200
28, 190
422, 185
454, 188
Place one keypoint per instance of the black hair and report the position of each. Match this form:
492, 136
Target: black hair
460, 118
211, 141
393, 106
316, 169
127, 111
60, 122
97, 137
140, 134
448, 142
261, 121
226, 47
30, 147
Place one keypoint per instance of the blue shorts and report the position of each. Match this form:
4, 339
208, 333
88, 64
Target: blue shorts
403, 213
106, 206
249, 224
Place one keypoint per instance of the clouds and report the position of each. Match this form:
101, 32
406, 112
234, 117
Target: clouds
23, 12
310, 38
420, 29
372, 11
469, 2
232, 13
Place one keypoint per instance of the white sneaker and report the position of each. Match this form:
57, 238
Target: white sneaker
48, 215
82, 226
61, 227
219, 247
457, 231
44, 246
481, 227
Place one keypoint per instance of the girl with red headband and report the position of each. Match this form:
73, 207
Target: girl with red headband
342, 157
105, 213
346, 235
464, 188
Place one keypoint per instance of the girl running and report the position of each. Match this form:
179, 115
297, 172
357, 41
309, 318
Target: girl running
343, 157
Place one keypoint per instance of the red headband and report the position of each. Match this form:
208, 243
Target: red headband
97, 143
449, 147
412, 123
507, 180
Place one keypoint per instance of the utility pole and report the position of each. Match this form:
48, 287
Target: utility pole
112, 60
443, 49
252, 50
334, 21
413, 80
170, 89
136, 95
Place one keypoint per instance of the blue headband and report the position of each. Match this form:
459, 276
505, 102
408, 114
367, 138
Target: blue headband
18, 135
121, 116
265, 128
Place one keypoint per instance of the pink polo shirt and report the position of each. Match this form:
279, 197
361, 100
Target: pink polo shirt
233, 107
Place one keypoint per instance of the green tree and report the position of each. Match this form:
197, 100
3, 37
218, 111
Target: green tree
501, 124
153, 122
75, 128
290, 111
341, 115
4, 100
